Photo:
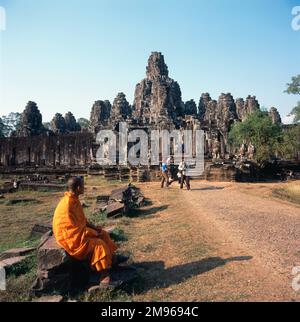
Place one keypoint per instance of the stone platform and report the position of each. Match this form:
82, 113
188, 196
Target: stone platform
59, 272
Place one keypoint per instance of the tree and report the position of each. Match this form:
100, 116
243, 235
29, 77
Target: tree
1, 128
296, 113
290, 146
84, 123
294, 88
10, 123
259, 130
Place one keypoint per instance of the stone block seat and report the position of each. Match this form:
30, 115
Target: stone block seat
57, 271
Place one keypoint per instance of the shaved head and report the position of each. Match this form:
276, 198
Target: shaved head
75, 184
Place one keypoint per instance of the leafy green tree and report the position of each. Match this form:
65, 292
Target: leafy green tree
11, 123
294, 88
84, 123
259, 130
296, 113
291, 142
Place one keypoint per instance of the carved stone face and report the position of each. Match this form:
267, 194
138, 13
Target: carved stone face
156, 66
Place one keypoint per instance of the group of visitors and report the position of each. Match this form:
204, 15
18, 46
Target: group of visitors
168, 173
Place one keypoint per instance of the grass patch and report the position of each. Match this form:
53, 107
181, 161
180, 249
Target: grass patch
289, 192
21, 202
118, 235
19, 281
18, 288
21, 243
18, 219
100, 181
29, 264
199, 250
51, 190
98, 218
118, 295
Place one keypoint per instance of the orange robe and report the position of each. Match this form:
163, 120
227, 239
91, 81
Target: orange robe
81, 242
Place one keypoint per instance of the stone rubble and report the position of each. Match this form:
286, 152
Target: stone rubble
16, 252
11, 262
39, 229
120, 201
49, 299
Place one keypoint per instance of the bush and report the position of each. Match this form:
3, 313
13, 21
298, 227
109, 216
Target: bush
118, 235
259, 130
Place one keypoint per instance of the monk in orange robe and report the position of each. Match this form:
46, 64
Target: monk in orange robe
79, 238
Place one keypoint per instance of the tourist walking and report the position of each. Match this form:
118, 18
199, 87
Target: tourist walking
164, 175
171, 169
182, 175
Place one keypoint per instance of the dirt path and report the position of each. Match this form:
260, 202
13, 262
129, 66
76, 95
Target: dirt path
231, 242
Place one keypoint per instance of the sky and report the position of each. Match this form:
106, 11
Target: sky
66, 54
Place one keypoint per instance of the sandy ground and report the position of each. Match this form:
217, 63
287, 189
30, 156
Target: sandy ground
217, 242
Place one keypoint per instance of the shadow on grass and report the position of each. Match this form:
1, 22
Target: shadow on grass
207, 188
151, 275
137, 212
154, 275
22, 202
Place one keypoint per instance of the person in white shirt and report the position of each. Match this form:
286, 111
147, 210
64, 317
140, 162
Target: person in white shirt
183, 178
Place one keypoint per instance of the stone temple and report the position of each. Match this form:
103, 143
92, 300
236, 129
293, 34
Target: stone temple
157, 104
